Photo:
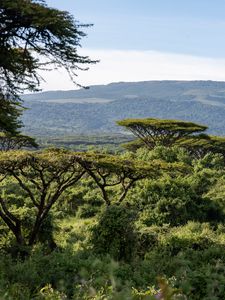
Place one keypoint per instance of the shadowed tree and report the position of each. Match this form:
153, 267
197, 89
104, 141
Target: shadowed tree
18, 141
153, 132
42, 178
10, 111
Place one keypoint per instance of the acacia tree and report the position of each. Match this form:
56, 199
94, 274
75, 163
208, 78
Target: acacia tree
153, 132
200, 145
110, 172
34, 37
42, 178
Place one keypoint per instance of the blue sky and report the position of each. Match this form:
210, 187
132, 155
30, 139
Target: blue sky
177, 31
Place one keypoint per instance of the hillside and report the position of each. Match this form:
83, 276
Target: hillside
95, 110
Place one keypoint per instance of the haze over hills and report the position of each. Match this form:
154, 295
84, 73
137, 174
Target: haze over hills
95, 110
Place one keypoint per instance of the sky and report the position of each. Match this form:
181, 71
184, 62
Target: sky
147, 40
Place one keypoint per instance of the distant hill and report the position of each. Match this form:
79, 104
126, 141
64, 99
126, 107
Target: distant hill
95, 110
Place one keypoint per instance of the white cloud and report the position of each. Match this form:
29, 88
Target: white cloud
122, 65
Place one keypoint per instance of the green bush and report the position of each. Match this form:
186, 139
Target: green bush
115, 233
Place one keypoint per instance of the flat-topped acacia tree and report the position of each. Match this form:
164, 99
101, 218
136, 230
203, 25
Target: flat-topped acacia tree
110, 172
199, 145
153, 132
39, 179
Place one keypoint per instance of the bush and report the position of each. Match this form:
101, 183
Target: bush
115, 233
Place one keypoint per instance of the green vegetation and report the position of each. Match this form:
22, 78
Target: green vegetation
202, 144
146, 224
103, 225
105, 143
155, 132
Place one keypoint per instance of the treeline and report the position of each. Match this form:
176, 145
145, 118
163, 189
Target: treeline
110, 143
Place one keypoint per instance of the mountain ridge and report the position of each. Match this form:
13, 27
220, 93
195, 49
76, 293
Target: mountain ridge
95, 110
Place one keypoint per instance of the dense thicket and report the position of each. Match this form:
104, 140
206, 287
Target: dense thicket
65, 233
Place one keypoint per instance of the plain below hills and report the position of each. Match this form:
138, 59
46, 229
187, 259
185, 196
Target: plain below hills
95, 110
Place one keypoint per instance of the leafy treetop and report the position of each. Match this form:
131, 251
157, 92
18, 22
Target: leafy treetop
109, 171
158, 131
202, 144
33, 36
43, 177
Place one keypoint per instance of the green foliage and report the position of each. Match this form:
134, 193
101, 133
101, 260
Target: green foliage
31, 28
87, 211
166, 241
202, 144
134, 145
170, 155
157, 124
33, 37
10, 111
42, 177
155, 132
109, 171
112, 236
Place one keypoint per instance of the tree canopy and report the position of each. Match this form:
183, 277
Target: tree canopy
10, 111
42, 177
109, 171
202, 144
33, 37
160, 132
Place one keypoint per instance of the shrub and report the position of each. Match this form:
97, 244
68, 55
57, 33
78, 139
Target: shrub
115, 233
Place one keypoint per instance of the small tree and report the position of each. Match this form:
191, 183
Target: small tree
154, 132
42, 177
